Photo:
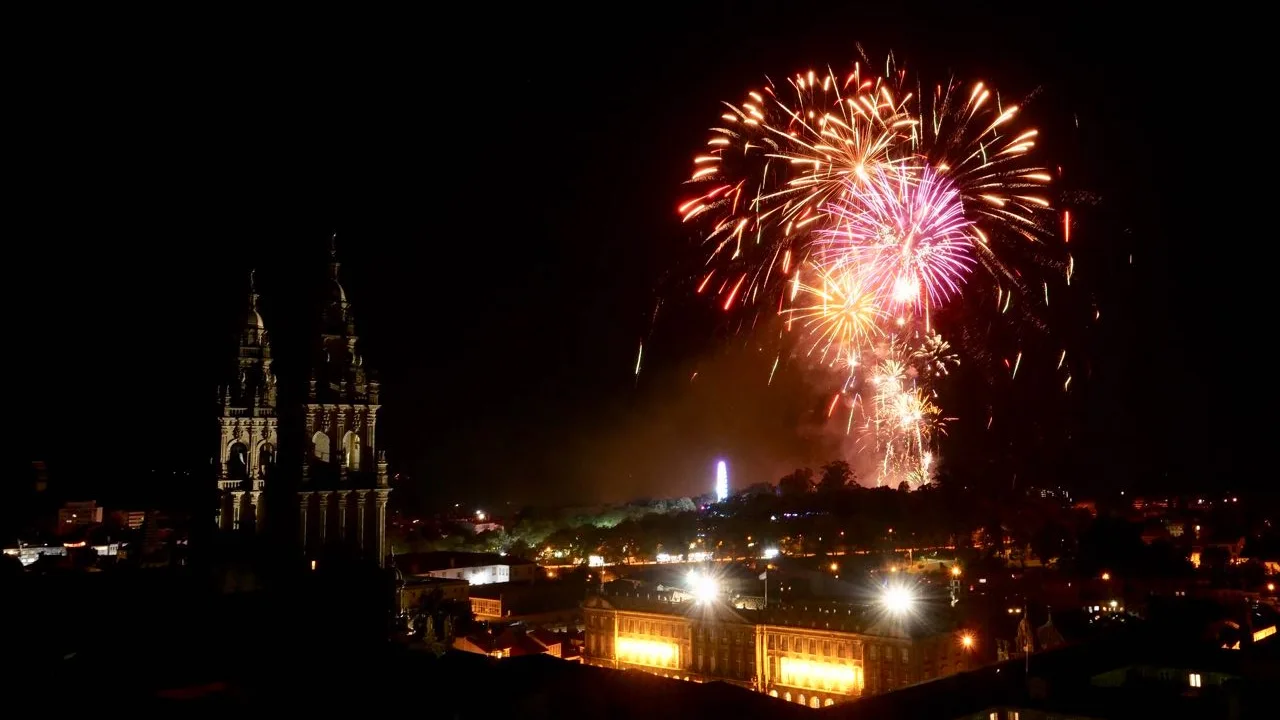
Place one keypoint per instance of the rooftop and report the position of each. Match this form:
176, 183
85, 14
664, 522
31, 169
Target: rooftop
418, 563
816, 615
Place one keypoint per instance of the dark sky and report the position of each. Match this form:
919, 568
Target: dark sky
503, 185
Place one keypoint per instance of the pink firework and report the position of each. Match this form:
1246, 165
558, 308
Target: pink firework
904, 231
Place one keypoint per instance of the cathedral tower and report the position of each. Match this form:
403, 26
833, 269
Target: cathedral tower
343, 495
248, 427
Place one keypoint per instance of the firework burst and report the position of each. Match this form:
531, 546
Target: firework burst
854, 206
905, 233
775, 159
842, 314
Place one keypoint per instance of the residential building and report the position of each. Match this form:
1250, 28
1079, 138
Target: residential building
475, 568
76, 516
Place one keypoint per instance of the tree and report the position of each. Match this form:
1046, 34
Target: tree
797, 483
904, 486
835, 475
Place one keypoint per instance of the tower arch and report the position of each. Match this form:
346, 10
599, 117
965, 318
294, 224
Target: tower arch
320, 447
237, 461
352, 449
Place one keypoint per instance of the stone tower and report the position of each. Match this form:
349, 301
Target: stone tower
342, 499
248, 427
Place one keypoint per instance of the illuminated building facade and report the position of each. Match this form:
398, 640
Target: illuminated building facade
248, 427
817, 658
342, 493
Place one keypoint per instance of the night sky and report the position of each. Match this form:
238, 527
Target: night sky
503, 190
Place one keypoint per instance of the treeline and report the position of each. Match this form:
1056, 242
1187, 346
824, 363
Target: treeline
533, 528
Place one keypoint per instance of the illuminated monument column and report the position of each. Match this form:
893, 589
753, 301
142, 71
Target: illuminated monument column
722, 481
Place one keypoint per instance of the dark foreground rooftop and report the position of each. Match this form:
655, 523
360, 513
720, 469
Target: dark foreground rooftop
160, 643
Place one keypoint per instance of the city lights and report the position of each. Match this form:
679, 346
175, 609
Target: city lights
1106, 576
898, 600
955, 571
770, 553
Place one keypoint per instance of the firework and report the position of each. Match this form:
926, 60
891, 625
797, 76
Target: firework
905, 233
775, 159
841, 314
900, 422
855, 205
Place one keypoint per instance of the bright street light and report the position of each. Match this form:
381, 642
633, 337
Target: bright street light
703, 587
966, 641
898, 600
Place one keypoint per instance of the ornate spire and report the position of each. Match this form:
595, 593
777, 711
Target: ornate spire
334, 265
338, 313
255, 330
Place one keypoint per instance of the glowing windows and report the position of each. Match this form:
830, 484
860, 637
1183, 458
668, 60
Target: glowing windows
826, 676
648, 652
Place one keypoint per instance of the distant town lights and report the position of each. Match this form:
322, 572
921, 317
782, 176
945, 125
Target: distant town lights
480, 515
770, 553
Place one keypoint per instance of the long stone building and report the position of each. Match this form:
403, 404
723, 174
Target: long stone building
815, 656
336, 475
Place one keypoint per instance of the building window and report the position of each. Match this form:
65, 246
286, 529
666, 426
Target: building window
1194, 678
904, 655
